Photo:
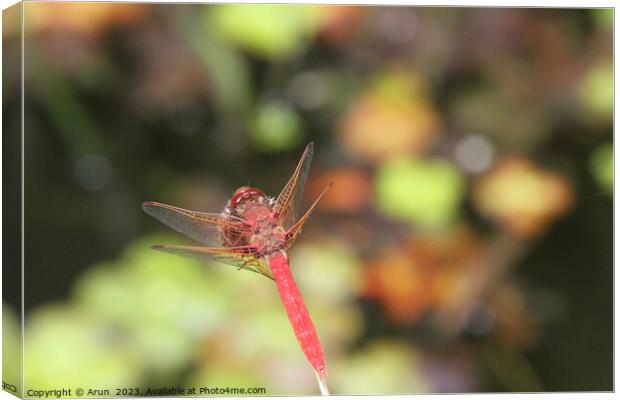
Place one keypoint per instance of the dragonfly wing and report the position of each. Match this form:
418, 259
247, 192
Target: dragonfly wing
204, 227
253, 264
289, 201
295, 230
243, 257
260, 266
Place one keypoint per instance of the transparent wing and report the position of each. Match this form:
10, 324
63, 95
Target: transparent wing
295, 230
242, 257
289, 201
204, 227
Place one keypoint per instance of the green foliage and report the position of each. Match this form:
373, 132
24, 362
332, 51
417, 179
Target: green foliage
603, 17
328, 269
276, 127
596, 92
68, 347
228, 70
155, 313
271, 31
166, 302
61, 102
602, 167
380, 367
424, 192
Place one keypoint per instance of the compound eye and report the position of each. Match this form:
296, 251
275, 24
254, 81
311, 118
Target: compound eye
245, 193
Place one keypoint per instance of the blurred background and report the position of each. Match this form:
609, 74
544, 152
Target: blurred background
465, 247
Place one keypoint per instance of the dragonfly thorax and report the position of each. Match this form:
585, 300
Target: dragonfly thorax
267, 235
253, 207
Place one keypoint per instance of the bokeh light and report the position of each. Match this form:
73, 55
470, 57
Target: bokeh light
602, 166
522, 196
425, 192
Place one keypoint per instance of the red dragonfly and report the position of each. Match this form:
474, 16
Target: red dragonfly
254, 232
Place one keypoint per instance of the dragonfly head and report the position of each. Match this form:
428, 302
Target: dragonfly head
244, 195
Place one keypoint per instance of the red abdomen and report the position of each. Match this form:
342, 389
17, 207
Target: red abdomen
297, 312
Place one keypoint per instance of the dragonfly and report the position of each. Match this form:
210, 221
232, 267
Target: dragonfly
255, 232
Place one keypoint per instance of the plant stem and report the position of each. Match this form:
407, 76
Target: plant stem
322, 384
